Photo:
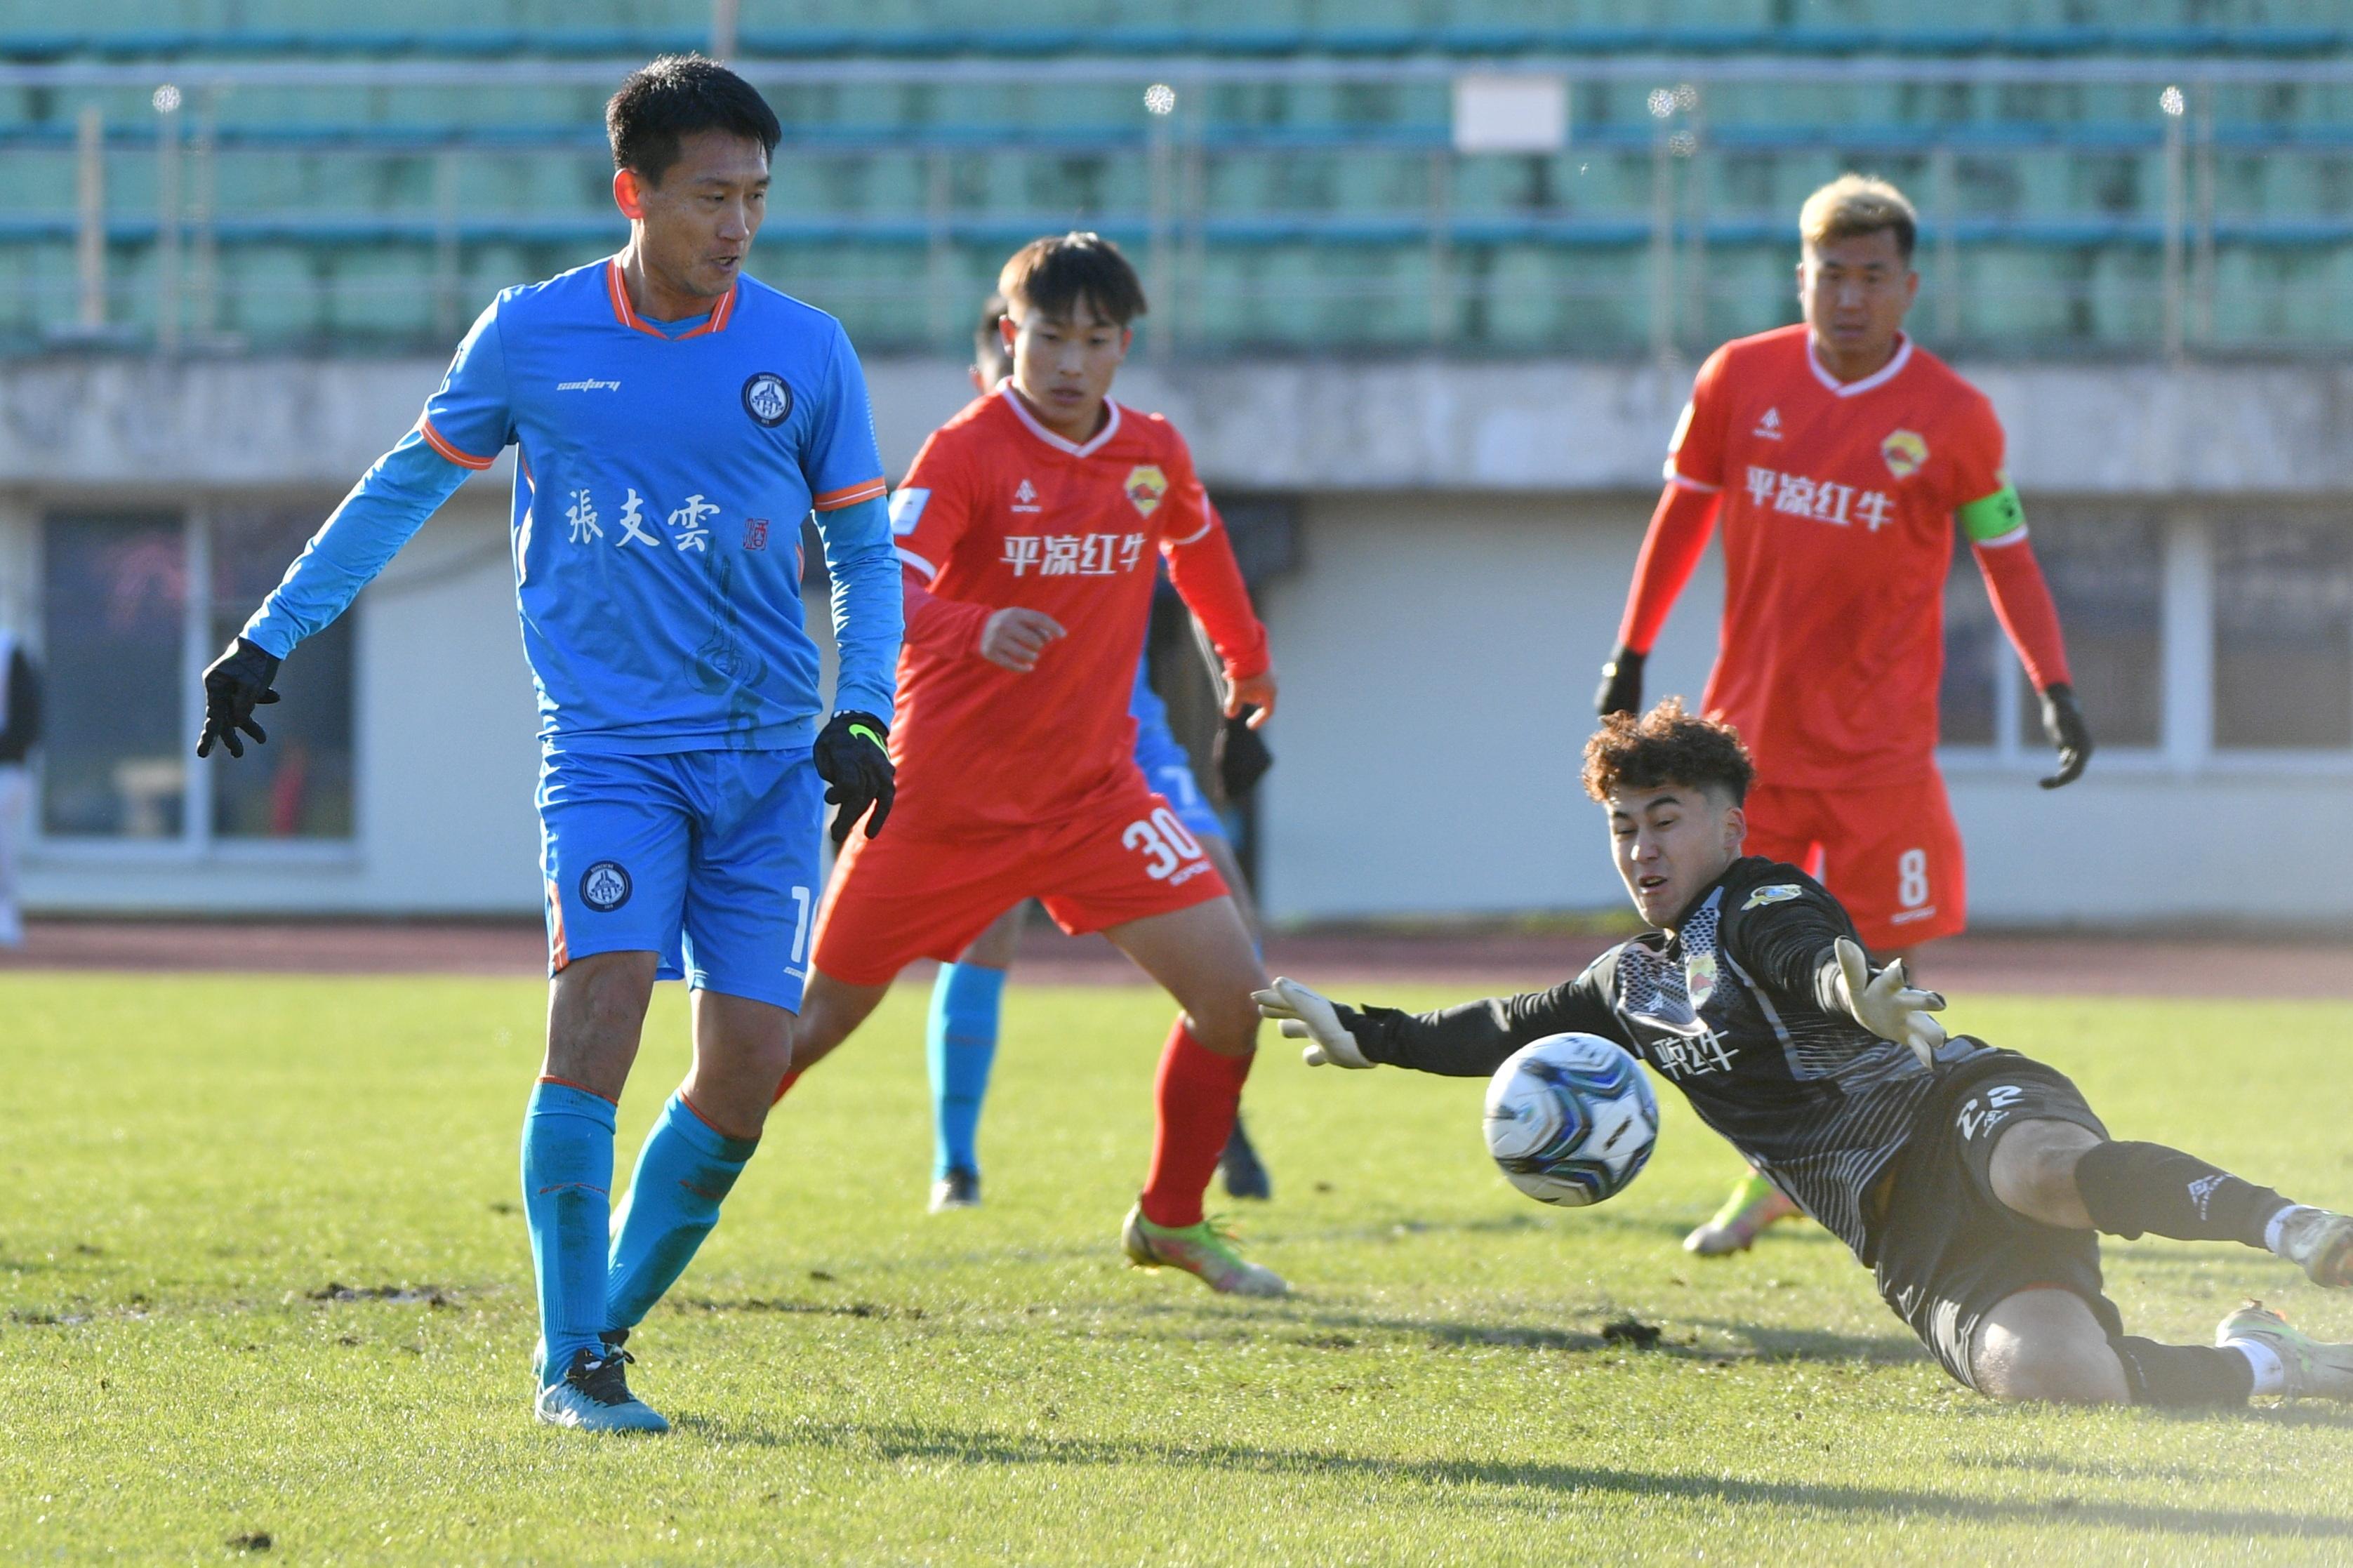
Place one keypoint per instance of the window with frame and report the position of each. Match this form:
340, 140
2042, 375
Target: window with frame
115, 758
300, 784
2282, 633
134, 603
2105, 567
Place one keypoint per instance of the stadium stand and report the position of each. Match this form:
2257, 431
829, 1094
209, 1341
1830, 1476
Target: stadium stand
319, 177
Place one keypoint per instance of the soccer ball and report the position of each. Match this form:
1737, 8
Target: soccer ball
1571, 1119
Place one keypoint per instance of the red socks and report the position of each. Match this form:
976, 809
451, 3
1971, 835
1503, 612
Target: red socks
1195, 1098
791, 1077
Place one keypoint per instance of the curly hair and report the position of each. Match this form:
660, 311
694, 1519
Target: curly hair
1667, 746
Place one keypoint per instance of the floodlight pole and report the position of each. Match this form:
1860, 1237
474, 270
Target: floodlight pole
1945, 183
90, 237
2176, 220
1662, 246
724, 15
168, 220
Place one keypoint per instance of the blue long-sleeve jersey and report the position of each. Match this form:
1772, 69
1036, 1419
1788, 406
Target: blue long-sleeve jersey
659, 488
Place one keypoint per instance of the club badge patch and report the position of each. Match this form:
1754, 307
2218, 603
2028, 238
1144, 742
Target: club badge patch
604, 887
768, 399
1905, 451
1145, 485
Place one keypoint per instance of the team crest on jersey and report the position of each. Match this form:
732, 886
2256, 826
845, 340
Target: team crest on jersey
1905, 451
604, 887
1778, 893
1145, 485
1769, 427
1699, 978
1025, 497
768, 399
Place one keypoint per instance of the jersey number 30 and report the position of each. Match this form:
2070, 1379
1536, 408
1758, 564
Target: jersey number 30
1164, 841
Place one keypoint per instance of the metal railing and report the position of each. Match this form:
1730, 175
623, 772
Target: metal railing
149, 254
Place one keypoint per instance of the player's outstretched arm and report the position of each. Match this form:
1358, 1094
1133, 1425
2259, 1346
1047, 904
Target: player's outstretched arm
382, 513
1885, 1004
1471, 1040
1308, 1016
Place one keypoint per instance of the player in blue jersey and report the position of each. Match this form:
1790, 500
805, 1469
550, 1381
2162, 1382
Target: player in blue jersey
967, 995
674, 422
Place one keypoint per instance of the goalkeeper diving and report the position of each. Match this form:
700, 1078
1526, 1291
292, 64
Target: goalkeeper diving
1972, 1180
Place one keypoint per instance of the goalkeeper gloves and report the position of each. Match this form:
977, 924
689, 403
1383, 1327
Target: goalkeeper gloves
853, 757
235, 685
1304, 1016
1886, 1006
2062, 721
1621, 684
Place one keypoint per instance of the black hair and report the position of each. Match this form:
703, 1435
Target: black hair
987, 340
1051, 275
672, 97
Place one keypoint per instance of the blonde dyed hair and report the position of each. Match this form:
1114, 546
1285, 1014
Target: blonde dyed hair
1855, 205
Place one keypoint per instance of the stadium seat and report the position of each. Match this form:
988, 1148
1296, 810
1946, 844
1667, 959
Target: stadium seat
1310, 188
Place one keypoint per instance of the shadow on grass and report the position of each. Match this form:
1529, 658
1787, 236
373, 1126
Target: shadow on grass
902, 1441
1301, 1322
1769, 1341
1669, 1229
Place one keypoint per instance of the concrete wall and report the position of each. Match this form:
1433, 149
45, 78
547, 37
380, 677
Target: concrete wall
1310, 425
1467, 533
443, 727
1439, 654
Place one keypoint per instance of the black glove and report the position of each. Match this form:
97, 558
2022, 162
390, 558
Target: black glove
853, 757
1621, 684
235, 685
2062, 721
1242, 757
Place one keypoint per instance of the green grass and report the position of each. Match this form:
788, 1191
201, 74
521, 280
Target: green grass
185, 1163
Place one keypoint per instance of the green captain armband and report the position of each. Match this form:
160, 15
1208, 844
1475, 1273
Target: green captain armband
1996, 518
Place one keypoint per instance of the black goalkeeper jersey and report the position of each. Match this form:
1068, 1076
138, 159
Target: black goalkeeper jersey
1737, 1006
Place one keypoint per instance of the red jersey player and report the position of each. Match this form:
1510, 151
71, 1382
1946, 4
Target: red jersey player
1027, 529
1836, 456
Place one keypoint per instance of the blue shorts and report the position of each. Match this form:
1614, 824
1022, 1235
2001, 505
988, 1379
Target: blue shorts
1168, 766
720, 848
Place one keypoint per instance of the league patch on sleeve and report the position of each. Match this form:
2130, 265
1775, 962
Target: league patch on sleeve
907, 510
1778, 893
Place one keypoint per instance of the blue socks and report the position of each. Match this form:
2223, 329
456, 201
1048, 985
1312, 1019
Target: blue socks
567, 1184
959, 1047
683, 1172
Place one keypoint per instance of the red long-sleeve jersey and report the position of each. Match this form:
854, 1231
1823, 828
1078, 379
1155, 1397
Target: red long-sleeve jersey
1837, 501
998, 510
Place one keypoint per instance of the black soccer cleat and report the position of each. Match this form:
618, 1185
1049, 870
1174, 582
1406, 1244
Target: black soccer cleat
1245, 1174
958, 1190
595, 1396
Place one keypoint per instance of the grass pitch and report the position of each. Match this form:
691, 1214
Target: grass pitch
262, 1274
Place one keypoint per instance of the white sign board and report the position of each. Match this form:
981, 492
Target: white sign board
1510, 114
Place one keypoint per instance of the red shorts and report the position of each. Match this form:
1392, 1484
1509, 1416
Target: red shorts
905, 895
1892, 855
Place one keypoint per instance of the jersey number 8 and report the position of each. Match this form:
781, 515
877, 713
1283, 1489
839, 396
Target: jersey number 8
1912, 879
1164, 839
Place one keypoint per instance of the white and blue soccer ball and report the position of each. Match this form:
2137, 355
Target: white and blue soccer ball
1571, 1119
